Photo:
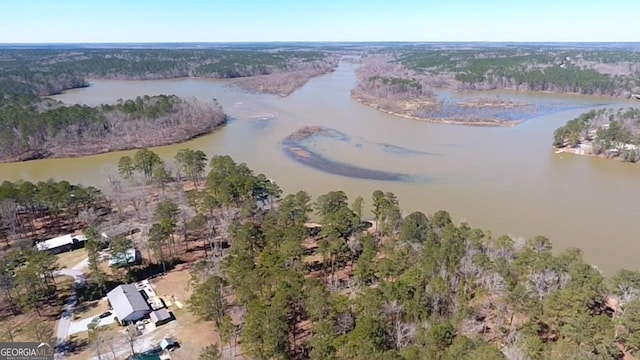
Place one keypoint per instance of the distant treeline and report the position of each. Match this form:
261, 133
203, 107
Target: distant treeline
614, 72
48, 71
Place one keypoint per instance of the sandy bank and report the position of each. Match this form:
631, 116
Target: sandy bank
586, 149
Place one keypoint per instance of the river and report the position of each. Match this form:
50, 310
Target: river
507, 180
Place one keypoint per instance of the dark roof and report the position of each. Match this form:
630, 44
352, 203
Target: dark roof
160, 315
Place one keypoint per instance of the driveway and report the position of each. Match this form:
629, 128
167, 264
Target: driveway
77, 275
81, 325
64, 323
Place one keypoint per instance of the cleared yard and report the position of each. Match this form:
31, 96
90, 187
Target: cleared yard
192, 334
173, 284
82, 350
71, 258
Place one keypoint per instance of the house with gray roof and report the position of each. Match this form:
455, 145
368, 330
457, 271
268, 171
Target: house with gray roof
128, 303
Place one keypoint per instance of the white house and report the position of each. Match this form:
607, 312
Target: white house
62, 243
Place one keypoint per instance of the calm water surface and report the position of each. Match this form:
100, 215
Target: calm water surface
507, 180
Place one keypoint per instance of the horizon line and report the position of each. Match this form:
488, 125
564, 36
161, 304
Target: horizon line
320, 41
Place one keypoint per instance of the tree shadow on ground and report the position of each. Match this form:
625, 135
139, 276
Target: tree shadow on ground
154, 270
73, 345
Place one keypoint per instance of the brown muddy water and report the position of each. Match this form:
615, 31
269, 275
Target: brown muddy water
507, 180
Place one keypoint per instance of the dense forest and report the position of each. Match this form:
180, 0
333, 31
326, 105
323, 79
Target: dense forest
29, 212
608, 132
409, 287
593, 72
50, 129
398, 286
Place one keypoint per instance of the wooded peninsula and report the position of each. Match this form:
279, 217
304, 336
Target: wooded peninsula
611, 133
68, 131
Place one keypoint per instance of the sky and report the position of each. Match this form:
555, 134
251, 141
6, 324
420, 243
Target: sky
82, 21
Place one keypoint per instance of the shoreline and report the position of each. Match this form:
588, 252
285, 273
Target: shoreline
242, 82
580, 151
231, 82
40, 155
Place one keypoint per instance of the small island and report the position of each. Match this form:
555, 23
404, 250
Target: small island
609, 133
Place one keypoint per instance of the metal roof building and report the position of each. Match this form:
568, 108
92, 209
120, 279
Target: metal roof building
160, 316
128, 303
167, 343
61, 243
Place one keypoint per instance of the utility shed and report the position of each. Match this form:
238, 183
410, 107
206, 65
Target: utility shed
160, 316
127, 303
167, 344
